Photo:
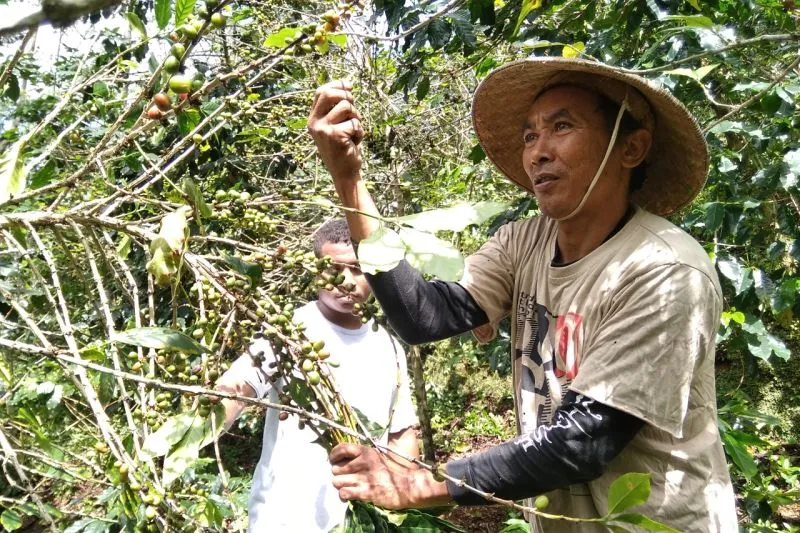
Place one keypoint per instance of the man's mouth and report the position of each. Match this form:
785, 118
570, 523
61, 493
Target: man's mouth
543, 178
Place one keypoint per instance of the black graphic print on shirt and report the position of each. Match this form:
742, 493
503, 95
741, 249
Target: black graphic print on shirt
547, 351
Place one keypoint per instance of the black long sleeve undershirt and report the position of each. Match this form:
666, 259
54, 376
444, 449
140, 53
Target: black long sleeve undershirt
576, 447
422, 311
584, 437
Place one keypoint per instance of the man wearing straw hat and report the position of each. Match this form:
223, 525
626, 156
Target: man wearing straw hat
613, 309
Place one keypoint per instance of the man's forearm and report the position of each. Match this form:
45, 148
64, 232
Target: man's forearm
582, 439
353, 194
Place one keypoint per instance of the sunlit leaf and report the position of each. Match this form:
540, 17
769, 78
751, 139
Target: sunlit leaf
10, 520
432, 255
159, 339
739, 455
183, 8
186, 451
136, 24
278, 39
381, 251
573, 50
527, 7
169, 434
696, 74
643, 522
454, 218
13, 170
627, 491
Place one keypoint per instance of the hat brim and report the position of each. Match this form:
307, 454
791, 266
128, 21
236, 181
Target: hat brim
678, 161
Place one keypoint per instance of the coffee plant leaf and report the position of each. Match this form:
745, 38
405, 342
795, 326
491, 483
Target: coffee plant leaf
627, 491
214, 425
183, 8
642, 522
12, 170
454, 218
381, 251
11, 520
186, 451
432, 255
163, 13
159, 338
278, 39
169, 434
136, 24
245, 268
195, 197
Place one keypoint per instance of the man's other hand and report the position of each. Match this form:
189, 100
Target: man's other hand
361, 473
335, 125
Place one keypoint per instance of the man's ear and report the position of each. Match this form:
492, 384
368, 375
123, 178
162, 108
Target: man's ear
636, 147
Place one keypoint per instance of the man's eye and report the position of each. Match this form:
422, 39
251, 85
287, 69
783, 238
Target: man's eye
561, 126
529, 137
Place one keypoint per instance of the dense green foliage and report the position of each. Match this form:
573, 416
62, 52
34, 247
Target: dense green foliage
123, 209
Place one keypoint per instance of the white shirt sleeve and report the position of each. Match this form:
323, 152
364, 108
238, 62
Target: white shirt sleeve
243, 369
404, 415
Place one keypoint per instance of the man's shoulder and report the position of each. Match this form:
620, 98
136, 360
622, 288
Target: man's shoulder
657, 243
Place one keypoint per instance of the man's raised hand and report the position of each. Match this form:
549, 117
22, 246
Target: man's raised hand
335, 125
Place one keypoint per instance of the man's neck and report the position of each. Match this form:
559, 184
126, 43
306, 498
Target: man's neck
343, 320
581, 235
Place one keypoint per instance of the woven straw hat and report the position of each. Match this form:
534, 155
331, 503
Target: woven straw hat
678, 159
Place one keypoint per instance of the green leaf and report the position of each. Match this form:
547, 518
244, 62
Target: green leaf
44, 175
381, 251
186, 451
715, 215
573, 50
454, 218
431, 255
163, 12
527, 7
251, 270
100, 89
476, 155
12, 170
12, 89
169, 434
423, 87
627, 491
183, 8
195, 196
739, 455
212, 430
278, 39
464, 30
696, 74
691, 21
643, 522
188, 120
159, 339
762, 344
695, 4
10, 520
136, 24
339, 39
438, 33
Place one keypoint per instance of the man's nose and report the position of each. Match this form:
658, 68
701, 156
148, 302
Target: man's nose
541, 152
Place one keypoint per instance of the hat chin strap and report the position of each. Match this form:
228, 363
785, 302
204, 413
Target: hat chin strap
623, 106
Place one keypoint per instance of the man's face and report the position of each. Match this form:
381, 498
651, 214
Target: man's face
565, 140
344, 260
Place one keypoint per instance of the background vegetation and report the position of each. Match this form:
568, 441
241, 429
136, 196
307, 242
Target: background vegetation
91, 168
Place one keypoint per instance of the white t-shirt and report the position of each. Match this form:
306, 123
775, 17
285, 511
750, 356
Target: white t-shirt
293, 486
631, 325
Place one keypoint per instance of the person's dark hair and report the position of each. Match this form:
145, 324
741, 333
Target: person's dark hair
609, 109
334, 231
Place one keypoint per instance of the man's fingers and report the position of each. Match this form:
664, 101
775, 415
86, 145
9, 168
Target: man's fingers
349, 480
342, 111
344, 452
357, 130
326, 98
